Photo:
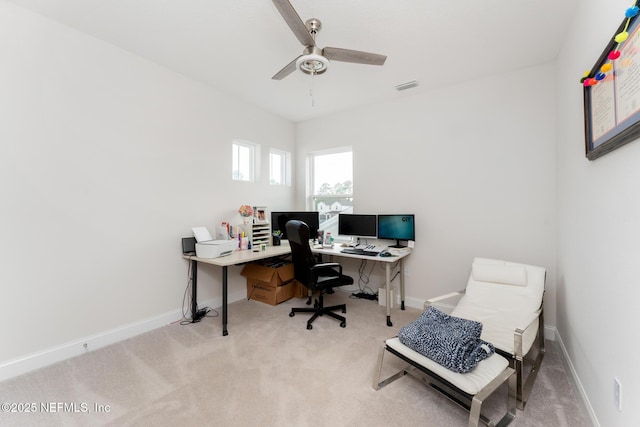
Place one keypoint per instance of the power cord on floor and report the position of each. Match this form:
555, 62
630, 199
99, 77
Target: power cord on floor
364, 278
186, 299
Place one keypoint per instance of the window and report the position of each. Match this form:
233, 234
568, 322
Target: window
332, 186
279, 168
244, 167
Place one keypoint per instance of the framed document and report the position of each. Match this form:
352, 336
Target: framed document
611, 94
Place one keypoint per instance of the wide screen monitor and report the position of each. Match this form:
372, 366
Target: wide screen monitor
397, 227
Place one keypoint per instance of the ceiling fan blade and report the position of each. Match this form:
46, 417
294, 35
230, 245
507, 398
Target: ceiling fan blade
355, 56
294, 22
286, 70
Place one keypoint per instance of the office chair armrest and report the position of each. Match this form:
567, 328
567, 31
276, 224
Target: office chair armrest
327, 265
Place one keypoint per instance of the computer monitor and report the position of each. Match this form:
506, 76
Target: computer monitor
357, 225
311, 218
397, 227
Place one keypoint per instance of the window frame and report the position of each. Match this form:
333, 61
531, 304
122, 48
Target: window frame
314, 199
285, 167
254, 154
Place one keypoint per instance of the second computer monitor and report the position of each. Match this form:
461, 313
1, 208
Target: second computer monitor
280, 219
357, 225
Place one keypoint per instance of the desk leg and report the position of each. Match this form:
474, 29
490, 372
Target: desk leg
224, 301
401, 284
196, 315
388, 291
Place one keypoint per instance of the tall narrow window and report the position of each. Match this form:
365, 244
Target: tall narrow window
332, 186
244, 166
279, 168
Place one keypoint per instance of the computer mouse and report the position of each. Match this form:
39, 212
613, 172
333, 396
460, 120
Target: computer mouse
385, 254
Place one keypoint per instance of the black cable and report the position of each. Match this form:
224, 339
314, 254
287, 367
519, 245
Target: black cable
363, 281
186, 299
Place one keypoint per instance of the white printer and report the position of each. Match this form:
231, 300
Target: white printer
206, 247
215, 248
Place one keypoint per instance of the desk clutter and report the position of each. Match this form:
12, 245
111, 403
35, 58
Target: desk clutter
272, 282
253, 234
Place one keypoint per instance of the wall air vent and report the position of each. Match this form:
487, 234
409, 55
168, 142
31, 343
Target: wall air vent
407, 85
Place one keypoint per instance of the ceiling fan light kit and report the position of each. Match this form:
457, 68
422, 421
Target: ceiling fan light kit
314, 60
312, 63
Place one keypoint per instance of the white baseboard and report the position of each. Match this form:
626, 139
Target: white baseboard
576, 380
21, 365
412, 302
40, 359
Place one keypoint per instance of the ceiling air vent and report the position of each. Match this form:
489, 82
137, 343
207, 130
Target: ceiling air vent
407, 85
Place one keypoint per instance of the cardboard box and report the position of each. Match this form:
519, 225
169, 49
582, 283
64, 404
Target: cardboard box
300, 291
269, 282
269, 273
273, 295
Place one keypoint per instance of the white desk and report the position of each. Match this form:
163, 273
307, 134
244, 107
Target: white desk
242, 257
387, 261
236, 258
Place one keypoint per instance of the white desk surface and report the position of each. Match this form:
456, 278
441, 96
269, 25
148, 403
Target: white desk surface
337, 248
241, 257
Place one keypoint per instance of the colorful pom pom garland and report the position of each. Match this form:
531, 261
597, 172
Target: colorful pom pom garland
620, 38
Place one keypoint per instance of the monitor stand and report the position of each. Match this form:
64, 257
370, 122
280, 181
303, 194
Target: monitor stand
397, 245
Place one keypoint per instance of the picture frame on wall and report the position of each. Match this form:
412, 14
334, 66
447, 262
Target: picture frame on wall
611, 93
260, 215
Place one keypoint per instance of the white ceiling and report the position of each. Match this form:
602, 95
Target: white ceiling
238, 45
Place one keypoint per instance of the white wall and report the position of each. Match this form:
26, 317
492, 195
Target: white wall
107, 160
599, 233
476, 164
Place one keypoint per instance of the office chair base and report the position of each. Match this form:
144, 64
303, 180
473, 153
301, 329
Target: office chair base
319, 310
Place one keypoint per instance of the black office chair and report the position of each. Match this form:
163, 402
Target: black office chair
315, 276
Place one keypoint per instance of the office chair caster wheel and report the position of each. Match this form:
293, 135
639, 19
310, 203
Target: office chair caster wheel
292, 314
343, 324
344, 310
309, 327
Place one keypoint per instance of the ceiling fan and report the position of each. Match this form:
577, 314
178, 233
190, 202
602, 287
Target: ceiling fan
315, 60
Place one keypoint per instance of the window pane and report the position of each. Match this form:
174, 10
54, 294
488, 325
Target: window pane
333, 187
276, 169
243, 164
333, 173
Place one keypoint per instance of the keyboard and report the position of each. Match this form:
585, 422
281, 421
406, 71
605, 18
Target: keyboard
372, 248
355, 251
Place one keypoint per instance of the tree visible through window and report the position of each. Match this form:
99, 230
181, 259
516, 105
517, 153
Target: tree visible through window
332, 176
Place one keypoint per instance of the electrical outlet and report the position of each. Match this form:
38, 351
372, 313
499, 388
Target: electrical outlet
406, 271
617, 392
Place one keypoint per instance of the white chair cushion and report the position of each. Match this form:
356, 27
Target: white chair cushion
470, 382
503, 308
499, 273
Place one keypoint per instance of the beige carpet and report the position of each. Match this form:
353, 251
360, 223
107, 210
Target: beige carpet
269, 371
